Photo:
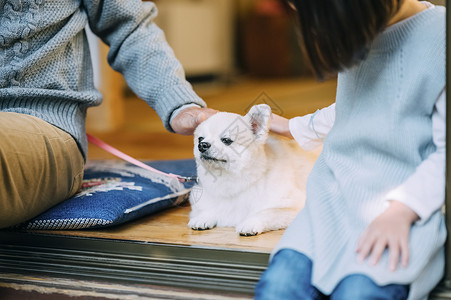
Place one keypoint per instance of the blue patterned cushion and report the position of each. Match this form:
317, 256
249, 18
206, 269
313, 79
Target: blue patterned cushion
115, 192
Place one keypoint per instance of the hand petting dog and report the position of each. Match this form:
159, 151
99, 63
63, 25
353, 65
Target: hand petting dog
188, 119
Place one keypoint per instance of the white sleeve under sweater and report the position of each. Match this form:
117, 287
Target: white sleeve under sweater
424, 190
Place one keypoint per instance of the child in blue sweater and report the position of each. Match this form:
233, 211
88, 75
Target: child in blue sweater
372, 226
46, 86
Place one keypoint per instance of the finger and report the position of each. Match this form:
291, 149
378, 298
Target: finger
212, 111
404, 253
187, 124
393, 256
361, 241
364, 247
200, 118
377, 251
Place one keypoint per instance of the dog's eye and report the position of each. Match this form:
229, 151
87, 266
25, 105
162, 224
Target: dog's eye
226, 141
200, 139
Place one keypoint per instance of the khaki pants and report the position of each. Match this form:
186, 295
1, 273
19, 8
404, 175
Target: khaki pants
40, 166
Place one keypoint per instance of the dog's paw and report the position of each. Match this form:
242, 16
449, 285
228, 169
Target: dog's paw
250, 228
200, 223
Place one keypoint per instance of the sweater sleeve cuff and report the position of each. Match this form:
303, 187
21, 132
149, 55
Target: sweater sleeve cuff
173, 99
303, 134
179, 110
405, 198
413, 194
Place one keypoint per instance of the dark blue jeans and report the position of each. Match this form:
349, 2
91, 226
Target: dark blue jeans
289, 277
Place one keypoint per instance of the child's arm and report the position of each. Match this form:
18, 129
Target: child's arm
309, 130
280, 125
416, 199
424, 190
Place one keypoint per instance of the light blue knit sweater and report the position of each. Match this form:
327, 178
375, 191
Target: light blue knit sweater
382, 132
45, 65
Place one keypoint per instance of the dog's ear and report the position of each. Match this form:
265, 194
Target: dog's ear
259, 117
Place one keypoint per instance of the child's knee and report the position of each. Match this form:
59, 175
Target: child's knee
359, 286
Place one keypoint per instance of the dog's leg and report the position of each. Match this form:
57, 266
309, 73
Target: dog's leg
266, 220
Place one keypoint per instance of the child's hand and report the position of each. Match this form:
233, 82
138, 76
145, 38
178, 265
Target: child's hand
280, 125
391, 229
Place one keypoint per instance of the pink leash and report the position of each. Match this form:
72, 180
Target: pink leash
132, 160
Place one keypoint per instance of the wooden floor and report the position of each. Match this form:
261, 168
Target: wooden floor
170, 227
144, 137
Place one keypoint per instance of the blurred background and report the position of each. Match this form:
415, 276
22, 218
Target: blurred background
236, 53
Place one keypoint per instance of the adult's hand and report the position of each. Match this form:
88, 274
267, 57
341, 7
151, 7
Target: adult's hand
188, 119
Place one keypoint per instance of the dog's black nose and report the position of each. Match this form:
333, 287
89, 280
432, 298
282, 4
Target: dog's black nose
203, 146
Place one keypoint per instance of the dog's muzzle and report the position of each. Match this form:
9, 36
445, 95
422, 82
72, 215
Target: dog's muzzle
203, 146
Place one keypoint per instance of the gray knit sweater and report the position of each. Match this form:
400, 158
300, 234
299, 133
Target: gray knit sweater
45, 65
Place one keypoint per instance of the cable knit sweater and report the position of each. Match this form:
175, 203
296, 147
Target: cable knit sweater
382, 132
45, 65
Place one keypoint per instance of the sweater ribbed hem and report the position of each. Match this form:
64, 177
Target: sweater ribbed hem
61, 109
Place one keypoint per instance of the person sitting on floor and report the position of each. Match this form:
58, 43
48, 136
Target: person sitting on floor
46, 87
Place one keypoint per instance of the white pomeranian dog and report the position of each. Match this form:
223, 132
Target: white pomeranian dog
249, 178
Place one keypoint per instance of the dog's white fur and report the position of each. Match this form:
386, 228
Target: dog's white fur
255, 184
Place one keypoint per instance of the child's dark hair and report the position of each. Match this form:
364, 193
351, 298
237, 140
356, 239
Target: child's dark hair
336, 34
